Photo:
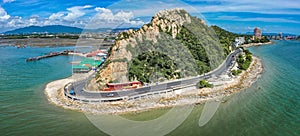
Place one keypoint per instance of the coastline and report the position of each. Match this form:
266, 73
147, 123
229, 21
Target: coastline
257, 44
53, 42
54, 92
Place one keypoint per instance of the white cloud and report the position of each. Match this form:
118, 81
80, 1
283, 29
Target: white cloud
104, 14
149, 7
3, 15
15, 22
8, 1
56, 16
271, 20
73, 16
104, 10
106, 18
260, 19
257, 6
124, 16
76, 12
125, 12
34, 20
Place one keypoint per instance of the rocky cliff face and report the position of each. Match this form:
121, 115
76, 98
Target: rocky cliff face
166, 24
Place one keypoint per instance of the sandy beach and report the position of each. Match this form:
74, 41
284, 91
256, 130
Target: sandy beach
54, 92
256, 44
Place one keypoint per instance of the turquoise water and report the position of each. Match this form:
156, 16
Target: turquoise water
24, 108
270, 107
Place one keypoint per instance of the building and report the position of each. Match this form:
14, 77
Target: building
239, 41
94, 53
280, 35
257, 33
123, 86
81, 69
86, 65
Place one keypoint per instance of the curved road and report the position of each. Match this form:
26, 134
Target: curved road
78, 87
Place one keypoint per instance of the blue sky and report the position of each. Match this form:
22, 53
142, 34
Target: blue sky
239, 16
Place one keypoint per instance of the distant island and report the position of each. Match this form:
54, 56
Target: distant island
51, 29
59, 29
58, 35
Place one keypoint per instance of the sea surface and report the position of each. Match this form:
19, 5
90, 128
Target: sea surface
271, 106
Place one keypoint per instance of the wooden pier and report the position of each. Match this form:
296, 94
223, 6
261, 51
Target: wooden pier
49, 55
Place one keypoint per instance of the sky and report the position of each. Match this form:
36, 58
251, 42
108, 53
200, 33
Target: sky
239, 16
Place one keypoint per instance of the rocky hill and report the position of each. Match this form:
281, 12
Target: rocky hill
173, 45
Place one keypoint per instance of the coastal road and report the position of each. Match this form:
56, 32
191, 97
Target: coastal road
80, 92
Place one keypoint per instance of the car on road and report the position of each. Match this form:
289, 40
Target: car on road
72, 92
110, 95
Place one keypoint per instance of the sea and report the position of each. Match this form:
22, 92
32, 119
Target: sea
270, 107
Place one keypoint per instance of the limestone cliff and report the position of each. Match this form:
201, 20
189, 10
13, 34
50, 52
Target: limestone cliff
170, 29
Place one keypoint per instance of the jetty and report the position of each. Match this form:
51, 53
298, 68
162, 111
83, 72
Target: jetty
49, 55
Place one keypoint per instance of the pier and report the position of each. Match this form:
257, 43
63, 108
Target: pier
49, 55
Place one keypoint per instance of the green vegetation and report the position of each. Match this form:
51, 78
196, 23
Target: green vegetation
264, 39
244, 61
120, 60
106, 63
14, 37
109, 38
196, 49
123, 35
226, 38
236, 72
152, 66
173, 48
208, 40
204, 84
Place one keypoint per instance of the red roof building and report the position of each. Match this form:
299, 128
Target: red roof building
123, 86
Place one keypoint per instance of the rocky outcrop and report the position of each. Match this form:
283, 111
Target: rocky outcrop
167, 22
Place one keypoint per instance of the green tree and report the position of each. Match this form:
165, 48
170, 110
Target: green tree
204, 84
236, 72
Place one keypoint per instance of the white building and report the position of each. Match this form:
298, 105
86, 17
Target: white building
239, 41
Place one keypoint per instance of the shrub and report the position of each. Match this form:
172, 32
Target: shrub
236, 72
204, 84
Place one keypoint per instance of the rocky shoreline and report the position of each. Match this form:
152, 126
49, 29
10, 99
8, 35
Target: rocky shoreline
54, 92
